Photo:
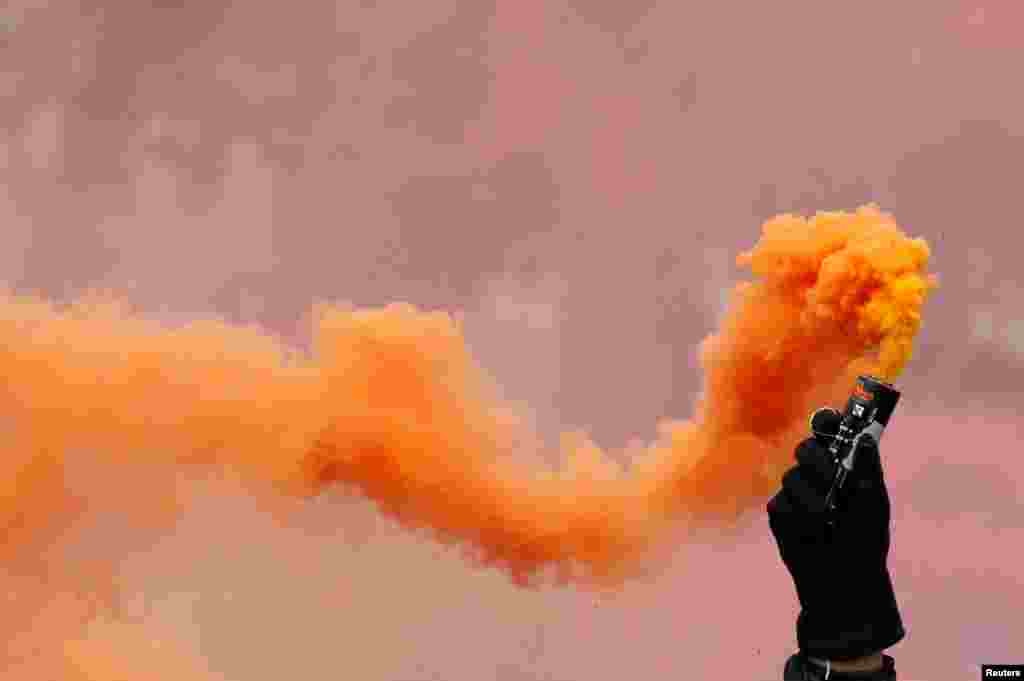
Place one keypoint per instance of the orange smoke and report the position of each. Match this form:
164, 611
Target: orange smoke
104, 656
392, 404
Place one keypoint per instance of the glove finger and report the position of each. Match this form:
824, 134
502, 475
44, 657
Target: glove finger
865, 496
825, 423
867, 468
795, 529
816, 462
803, 494
869, 459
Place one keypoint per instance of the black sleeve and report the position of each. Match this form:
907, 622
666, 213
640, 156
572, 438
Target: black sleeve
799, 668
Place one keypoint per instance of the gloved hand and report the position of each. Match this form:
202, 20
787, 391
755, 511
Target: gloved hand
848, 608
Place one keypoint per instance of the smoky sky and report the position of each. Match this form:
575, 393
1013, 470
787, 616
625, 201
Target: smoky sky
575, 178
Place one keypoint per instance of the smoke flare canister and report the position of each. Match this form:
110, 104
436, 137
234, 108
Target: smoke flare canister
871, 404
867, 413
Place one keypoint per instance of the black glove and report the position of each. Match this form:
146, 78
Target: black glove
848, 608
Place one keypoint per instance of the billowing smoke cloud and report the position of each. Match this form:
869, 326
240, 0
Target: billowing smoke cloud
392, 404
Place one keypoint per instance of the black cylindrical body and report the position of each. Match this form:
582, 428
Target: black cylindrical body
867, 413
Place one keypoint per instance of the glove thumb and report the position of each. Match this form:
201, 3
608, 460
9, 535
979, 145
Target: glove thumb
867, 467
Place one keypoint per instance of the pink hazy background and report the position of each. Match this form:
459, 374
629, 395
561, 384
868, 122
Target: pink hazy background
574, 178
